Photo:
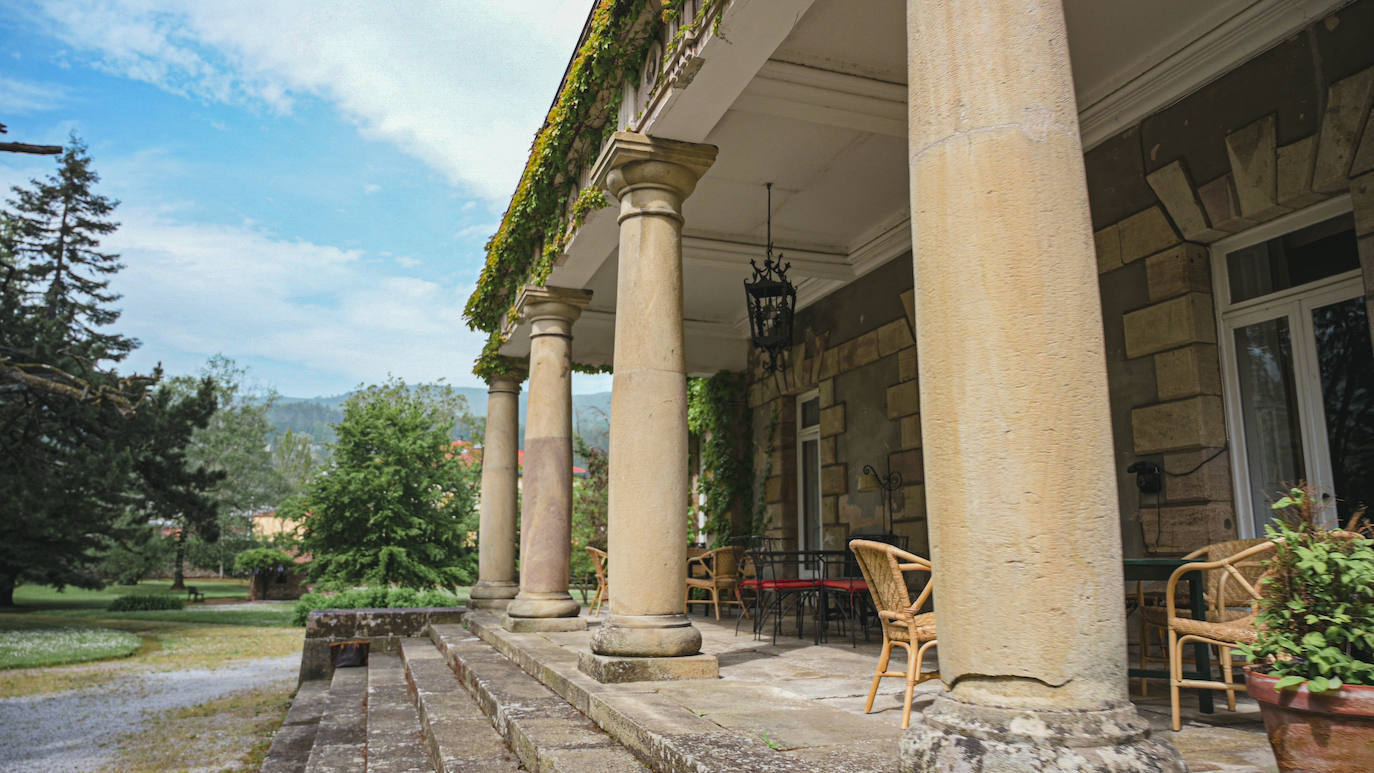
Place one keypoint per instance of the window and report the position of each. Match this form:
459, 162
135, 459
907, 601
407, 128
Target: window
1297, 364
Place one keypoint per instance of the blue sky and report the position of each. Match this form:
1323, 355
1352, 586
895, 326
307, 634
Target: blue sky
306, 187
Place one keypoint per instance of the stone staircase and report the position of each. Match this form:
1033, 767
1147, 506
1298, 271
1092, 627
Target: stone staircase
416, 709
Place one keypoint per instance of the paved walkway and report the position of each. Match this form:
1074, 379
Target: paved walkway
77, 730
771, 687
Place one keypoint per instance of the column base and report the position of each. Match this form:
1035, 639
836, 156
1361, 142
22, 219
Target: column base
646, 636
543, 604
613, 670
956, 736
492, 595
543, 624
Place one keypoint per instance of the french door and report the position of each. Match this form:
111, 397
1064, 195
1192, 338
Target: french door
1298, 366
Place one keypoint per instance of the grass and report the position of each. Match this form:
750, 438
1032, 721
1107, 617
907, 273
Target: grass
26, 644
172, 640
47, 597
231, 733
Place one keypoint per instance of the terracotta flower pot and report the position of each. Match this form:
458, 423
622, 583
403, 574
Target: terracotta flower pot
1326, 733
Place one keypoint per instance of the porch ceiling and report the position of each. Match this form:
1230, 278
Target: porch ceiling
824, 119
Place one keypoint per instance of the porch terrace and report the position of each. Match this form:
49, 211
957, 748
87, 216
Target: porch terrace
806, 702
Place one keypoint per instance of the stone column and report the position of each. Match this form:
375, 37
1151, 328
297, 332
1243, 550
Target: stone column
496, 584
544, 603
1014, 413
647, 634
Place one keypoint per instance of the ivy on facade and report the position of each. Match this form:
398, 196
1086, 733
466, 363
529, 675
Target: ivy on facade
717, 413
537, 225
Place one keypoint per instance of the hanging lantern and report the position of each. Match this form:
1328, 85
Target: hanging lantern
771, 300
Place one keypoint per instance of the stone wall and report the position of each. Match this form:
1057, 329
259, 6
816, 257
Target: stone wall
859, 352
382, 629
1286, 130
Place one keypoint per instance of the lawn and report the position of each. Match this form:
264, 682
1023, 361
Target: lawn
29, 644
47, 597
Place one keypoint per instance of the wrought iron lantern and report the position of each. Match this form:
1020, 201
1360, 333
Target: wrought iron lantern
772, 300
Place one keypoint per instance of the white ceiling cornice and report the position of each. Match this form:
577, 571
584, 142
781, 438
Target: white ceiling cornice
1206, 58
798, 92
813, 260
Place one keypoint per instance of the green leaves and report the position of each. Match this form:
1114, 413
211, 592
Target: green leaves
1316, 617
397, 501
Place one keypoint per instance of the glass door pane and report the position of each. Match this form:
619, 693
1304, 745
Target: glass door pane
1346, 364
1269, 411
811, 495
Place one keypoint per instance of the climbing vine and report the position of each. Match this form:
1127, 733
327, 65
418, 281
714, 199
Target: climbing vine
717, 413
538, 223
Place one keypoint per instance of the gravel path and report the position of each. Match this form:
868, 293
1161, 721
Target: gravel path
76, 730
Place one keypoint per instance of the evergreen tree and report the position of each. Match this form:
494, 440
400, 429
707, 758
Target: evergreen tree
397, 501
54, 231
172, 489
66, 442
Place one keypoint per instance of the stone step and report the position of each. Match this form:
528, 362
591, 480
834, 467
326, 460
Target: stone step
650, 718
457, 736
291, 746
546, 732
394, 740
341, 739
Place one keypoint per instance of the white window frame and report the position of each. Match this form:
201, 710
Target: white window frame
803, 435
1295, 303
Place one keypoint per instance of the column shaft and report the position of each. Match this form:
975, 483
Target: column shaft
546, 511
648, 434
1024, 525
496, 532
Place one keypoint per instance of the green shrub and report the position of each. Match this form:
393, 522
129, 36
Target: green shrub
146, 602
373, 598
256, 559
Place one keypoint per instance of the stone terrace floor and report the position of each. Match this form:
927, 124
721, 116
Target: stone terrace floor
785, 694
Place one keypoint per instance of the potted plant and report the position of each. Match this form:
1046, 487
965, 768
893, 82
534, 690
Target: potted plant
1312, 667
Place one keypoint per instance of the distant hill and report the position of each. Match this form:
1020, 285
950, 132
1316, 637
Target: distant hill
316, 416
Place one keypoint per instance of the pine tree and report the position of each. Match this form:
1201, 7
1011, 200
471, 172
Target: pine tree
54, 231
171, 489
66, 439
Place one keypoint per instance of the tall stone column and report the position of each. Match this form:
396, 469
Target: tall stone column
1018, 449
543, 603
647, 634
496, 584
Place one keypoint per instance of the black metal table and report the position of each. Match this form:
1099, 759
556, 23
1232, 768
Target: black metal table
1160, 569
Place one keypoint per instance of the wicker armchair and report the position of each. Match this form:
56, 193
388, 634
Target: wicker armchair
884, 567
1154, 621
599, 565
1232, 588
716, 572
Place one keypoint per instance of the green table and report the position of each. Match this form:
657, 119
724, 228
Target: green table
1160, 569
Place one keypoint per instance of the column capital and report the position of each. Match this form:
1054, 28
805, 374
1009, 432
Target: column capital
632, 159
551, 310
506, 382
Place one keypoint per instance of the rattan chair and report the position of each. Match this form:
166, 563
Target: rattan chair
1232, 588
1154, 622
599, 565
716, 572
884, 568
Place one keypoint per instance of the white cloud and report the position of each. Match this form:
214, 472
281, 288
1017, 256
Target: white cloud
202, 289
371, 188
461, 86
476, 230
24, 97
